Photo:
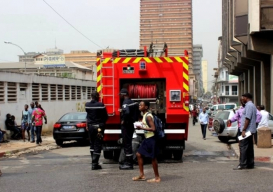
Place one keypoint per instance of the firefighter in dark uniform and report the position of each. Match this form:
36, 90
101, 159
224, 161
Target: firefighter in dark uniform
95, 124
129, 114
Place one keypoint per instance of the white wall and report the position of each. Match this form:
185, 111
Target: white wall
254, 15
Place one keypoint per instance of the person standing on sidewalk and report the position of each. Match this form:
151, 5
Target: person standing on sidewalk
129, 114
264, 120
148, 147
31, 127
237, 117
248, 124
95, 122
37, 118
204, 119
25, 122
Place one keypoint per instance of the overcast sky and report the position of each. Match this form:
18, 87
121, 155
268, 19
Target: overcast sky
34, 26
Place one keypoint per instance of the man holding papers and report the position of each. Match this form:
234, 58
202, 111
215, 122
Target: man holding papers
248, 128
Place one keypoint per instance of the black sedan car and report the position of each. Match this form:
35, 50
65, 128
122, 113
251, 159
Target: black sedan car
70, 126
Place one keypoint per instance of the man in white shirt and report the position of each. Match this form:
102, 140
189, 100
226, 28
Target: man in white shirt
204, 119
264, 119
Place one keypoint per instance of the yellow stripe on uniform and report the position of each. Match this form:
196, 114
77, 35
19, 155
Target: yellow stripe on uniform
116, 60
147, 59
158, 60
185, 66
178, 59
127, 60
168, 59
186, 87
137, 60
185, 76
106, 60
98, 59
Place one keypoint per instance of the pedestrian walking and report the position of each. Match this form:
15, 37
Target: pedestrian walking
31, 126
129, 114
248, 124
194, 114
148, 147
25, 122
204, 119
95, 124
37, 118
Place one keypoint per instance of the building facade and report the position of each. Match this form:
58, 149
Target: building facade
168, 21
197, 68
205, 75
247, 47
82, 57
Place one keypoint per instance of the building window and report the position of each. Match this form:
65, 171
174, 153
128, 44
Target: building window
227, 76
23, 91
234, 90
60, 92
73, 92
44, 92
35, 92
2, 91
227, 90
79, 93
67, 92
53, 93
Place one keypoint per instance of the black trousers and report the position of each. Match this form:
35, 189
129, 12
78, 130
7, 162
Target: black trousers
247, 152
38, 134
204, 129
95, 142
127, 131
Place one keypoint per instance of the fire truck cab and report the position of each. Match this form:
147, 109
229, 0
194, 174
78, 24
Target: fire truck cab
161, 80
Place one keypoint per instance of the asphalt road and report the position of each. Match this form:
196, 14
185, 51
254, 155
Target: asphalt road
207, 166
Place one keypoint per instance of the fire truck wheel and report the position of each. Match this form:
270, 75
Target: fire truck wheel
167, 154
108, 154
116, 155
177, 155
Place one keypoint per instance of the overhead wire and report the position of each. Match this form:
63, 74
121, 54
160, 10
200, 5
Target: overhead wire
71, 24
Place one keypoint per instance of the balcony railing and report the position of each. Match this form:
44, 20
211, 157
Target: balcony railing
234, 92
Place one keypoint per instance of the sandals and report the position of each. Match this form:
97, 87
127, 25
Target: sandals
154, 180
139, 178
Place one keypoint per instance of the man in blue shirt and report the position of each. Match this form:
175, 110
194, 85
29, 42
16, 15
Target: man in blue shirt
31, 127
204, 119
248, 123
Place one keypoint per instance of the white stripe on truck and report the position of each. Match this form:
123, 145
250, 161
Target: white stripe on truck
167, 131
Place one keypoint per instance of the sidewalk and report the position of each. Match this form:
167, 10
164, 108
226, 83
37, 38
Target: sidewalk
261, 154
15, 146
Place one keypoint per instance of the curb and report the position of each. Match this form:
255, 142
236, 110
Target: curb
3, 154
264, 159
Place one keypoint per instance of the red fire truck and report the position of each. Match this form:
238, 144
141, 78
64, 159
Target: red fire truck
162, 80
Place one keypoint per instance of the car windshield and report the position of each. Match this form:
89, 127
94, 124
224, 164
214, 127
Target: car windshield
73, 117
221, 107
229, 106
223, 115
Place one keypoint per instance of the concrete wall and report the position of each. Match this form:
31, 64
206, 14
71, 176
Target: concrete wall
13, 101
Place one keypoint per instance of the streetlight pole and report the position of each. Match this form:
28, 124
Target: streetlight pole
22, 50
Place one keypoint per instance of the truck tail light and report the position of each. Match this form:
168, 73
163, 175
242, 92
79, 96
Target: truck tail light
57, 125
81, 125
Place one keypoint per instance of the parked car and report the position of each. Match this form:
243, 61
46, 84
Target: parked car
70, 126
224, 132
226, 106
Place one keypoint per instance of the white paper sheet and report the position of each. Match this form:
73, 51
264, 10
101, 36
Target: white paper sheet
138, 123
247, 135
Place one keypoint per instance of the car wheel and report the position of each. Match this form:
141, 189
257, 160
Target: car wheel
223, 139
177, 155
219, 125
108, 154
59, 142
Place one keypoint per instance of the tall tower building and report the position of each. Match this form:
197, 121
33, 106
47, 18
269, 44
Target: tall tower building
167, 21
205, 75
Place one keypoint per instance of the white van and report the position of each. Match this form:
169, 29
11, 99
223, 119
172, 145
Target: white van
226, 106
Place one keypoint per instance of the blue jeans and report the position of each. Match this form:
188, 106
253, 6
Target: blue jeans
38, 134
32, 129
